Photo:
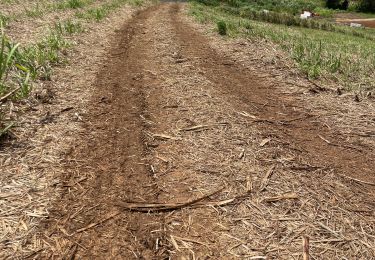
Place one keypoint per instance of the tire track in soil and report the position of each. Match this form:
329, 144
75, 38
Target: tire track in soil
111, 162
280, 115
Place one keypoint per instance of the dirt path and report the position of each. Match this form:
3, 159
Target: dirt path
171, 119
368, 22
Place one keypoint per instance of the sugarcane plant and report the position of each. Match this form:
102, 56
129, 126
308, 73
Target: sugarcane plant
6, 56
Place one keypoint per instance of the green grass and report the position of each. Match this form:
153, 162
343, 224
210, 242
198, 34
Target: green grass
44, 7
5, 129
70, 4
249, 12
96, 14
346, 58
74, 4
7, 72
9, 1
293, 7
99, 13
3, 20
35, 61
222, 27
6, 60
68, 27
21, 65
38, 59
286, 6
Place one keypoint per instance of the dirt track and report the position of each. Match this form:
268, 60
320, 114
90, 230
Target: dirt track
370, 22
173, 119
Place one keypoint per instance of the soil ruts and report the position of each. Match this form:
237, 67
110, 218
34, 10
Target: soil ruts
153, 133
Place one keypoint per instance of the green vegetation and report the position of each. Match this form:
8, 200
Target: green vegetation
291, 20
337, 4
343, 57
3, 20
9, 1
366, 6
6, 59
4, 131
222, 27
99, 13
43, 7
353, 5
35, 61
293, 7
74, 4
68, 27
9, 69
69, 4
20, 65
253, 11
325, 8
37, 11
95, 14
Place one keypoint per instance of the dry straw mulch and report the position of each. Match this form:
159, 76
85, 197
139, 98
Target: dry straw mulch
275, 199
48, 123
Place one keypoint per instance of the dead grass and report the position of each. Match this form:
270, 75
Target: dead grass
344, 111
33, 158
27, 30
287, 197
199, 142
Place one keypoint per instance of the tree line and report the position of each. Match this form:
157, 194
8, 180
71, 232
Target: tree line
361, 5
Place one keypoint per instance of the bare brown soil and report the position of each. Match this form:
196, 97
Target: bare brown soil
367, 22
171, 119
281, 115
32, 157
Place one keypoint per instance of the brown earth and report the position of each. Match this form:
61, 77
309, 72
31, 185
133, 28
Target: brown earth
172, 118
368, 22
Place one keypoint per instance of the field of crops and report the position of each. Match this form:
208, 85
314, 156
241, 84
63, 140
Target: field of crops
320, 48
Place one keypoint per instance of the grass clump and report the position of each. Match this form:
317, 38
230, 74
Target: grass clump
3, 20
6, 59
222, 27
96, 14
70, 4
75, 4
68, 27
37, 60
10, 75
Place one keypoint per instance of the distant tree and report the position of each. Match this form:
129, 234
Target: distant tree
338, 4
345, 5
367, 6
333, 4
